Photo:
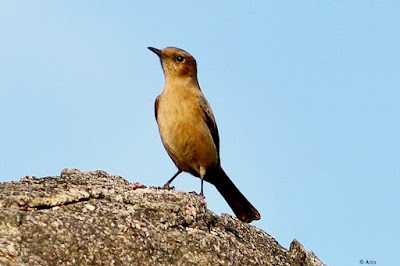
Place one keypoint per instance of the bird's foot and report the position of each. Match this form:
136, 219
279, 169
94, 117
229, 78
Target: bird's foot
197, 194
166, 186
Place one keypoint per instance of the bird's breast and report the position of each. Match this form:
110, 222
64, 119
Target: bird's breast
184, 132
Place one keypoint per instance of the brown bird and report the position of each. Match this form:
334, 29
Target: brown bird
189, 132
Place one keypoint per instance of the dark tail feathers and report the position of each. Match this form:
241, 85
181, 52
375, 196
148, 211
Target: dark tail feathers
239, 204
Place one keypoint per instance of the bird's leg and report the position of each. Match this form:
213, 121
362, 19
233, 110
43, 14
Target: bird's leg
201, 191
166, 186
202, 174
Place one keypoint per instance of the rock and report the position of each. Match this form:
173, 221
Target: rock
95, 218
298, 256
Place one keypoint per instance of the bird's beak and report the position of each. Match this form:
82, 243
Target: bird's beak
156, 51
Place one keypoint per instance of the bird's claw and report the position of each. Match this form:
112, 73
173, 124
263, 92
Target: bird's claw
166, 186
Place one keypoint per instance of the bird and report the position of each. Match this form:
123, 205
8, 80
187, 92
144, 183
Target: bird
189, 132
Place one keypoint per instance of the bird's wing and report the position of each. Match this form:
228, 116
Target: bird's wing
156, 106
210, 121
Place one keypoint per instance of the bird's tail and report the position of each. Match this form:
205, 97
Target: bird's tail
238, 203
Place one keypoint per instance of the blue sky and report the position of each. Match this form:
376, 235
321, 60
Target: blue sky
305, 93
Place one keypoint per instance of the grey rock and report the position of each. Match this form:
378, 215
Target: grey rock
95, 218
298, 256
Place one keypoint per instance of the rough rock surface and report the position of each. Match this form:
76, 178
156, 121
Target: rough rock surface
95, 218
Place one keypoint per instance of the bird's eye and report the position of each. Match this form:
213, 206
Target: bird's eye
180, 59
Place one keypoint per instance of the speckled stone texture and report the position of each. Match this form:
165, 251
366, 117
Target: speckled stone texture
95, 218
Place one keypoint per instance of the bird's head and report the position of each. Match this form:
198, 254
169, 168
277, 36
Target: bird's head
176, 62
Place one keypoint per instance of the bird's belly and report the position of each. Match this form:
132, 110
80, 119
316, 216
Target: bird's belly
187, 138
